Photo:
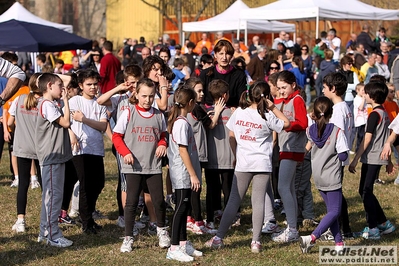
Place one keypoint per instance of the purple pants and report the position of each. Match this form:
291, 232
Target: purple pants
333, 200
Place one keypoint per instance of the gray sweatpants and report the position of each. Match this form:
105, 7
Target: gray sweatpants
239, 187
53, 177
286, 189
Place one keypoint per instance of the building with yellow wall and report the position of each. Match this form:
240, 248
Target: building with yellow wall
132, 19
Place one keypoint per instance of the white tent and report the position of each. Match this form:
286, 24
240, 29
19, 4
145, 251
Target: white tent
318, 9
18, 12
229, 21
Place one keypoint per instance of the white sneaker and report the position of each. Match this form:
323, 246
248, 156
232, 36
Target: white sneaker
305, 242
19, 226
256, 247
288, 235
127, 244
34, 184
121, 221
14, 183
270, 228
73, 213
163, 236
41, 239
191, 251
61, 242
179, 254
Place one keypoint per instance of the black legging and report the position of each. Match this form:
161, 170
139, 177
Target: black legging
24, 166
135, 183
90, 171
194, 209
217, 180
374, 213
179, 223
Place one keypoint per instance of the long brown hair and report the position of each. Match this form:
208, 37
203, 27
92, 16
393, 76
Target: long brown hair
322, 113
182, 97
30, 101
257, 93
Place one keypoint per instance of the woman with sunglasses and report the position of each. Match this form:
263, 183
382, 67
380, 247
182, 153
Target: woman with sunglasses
273, 67
307, 66
346, 64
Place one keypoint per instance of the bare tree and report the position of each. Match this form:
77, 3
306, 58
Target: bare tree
178, 7
89, 9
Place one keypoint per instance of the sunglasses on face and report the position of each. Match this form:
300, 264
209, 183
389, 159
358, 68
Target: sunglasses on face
274, 68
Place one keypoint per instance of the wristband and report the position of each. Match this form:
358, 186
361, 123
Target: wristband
164, 87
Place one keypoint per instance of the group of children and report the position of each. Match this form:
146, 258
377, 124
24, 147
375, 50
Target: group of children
234, 145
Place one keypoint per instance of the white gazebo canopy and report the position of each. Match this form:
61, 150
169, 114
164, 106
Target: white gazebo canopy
318, 9
18, 12
229, 21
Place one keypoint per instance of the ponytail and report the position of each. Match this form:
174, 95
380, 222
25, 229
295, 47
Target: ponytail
322, 113
30, 101
182, 97
257, 93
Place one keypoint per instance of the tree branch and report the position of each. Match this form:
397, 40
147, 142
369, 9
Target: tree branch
162, 10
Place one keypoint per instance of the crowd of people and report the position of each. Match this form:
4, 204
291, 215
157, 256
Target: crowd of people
243, 114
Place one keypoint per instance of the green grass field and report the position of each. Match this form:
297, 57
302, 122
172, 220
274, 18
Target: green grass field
103, 248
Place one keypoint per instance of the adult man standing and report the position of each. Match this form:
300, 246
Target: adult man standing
279, 39
365, 39
75, 65
256, 67
15, 78
203, 43
381, 38
254, 46
392, 55
384, 47
110, 65
238, 52
334, 44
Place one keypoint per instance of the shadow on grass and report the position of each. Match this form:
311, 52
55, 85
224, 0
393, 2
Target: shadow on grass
27, 248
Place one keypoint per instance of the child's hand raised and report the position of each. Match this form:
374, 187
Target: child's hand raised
160, 151
270, 105
128, 159
195, 183
219, 105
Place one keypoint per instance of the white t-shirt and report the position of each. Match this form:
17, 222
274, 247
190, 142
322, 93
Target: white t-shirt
90, 139
13, 106
395, 125
342, 117
50, 111
254, 139
337, 43
360, 116
123, 120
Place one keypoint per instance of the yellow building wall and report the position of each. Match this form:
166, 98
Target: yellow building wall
132, 19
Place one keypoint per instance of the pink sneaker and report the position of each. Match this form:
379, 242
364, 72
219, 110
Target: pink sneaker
214, 242
255, 247
190, 224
